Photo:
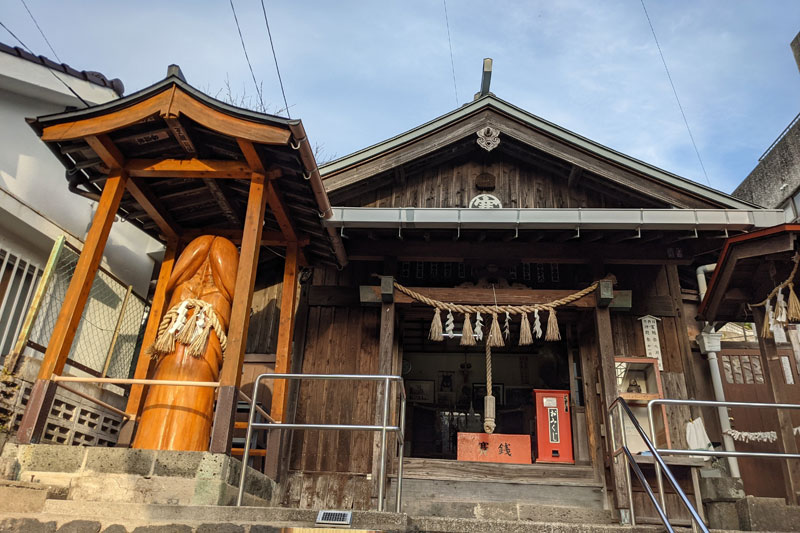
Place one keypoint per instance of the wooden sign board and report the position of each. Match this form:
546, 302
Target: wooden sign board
494, 448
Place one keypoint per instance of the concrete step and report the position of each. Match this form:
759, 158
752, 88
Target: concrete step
507, 511
27, 497
256, 519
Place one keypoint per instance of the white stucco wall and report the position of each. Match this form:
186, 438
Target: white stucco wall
35, 204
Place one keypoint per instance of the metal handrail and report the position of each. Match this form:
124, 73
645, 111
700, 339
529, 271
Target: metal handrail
714, 453
383, 428
659, 462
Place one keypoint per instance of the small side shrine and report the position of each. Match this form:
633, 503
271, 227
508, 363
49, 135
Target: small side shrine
755, 281
216, 184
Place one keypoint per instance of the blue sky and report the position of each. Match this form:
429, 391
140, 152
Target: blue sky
360, 72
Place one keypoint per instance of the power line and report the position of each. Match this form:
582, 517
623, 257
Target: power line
40, 31
450, 43
239, 29
675, 92
50, 70
275, 57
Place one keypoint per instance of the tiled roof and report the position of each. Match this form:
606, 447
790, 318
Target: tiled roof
87, 75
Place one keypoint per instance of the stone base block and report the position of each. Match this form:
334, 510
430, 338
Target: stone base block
767, 514
138, 476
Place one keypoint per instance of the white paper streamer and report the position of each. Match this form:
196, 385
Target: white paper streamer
478, 326
537, 324
449, 325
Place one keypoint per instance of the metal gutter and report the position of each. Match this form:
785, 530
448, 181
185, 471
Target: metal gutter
550, 128
556, 219
300, 143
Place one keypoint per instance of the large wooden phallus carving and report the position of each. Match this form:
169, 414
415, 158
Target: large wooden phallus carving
189, 347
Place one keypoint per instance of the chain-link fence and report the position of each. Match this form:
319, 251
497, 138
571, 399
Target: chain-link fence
109, 333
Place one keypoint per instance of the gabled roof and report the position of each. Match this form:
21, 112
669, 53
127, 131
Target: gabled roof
340, 172
190, 159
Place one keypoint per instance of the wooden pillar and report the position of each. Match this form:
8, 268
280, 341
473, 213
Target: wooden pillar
786, 439
157, 310
608, 377
385, 363
69, 317
283, 351
276, 439
231, 373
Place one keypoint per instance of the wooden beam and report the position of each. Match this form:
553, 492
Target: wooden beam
181, 135
82, 278
283, 353
231, 373
385, 359
251, 155
69, 316
106, 150
157, 310
268, 238
222, 201
252, 130
278, 207
575, 174
371, 294
187, 168
605, 349
106, 123
519, 251
154, 209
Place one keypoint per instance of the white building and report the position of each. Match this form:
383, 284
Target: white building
36, 206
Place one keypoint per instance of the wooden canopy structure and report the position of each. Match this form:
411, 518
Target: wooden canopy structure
179, 164
749, 268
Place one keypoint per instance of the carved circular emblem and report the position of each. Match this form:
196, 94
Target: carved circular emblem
485, 201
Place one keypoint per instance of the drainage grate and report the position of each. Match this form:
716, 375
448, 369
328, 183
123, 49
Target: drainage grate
334, 518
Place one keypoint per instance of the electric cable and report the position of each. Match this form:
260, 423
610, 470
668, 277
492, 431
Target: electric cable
40, 31
275, 57
50, 70
675, 92
450, 43
241, 38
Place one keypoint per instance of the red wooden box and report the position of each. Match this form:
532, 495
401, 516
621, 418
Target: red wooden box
494, 448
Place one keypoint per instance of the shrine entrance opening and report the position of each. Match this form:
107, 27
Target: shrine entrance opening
446, 384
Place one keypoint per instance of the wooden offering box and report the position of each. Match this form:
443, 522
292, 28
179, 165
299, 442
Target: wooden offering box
494, 448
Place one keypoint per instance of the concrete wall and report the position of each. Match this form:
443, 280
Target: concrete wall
777, 176
35, 204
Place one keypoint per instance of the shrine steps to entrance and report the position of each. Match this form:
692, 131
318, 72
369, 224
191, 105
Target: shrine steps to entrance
543, 492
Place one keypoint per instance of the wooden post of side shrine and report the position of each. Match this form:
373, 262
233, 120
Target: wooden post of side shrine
231, 373
786, 440
34, 420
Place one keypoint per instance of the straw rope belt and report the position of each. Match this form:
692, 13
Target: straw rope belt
194, 331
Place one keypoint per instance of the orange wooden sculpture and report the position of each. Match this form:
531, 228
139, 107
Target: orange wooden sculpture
189, 347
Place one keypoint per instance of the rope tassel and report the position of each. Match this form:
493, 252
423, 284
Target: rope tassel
495, 338
766, 329
467, 336
436, 326
553, 334
793, 309
525, 337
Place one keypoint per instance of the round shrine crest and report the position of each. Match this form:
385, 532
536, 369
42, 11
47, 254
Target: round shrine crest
485, 201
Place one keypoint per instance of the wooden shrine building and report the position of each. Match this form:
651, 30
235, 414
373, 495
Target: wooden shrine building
488, 206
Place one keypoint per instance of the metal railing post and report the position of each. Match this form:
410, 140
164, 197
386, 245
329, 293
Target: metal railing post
246, 455
627, 468
399, 494
382, 467
659, 479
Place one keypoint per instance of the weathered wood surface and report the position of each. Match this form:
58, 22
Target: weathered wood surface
452, 184
328, 491
415, 468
